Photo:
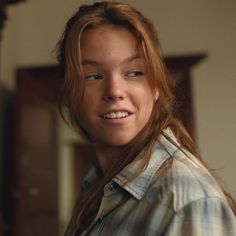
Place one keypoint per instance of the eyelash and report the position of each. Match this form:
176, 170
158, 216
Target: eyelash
93, 77
132, 74
135, 73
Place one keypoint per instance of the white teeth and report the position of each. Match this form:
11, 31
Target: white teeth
116, 115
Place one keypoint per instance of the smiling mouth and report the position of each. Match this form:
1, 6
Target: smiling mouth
116, 115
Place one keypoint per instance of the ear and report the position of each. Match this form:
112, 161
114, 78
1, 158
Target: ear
156, 94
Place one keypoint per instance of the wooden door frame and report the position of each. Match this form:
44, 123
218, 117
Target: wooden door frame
31, 89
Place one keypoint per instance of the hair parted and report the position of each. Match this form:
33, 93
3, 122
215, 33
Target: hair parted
69, 57
107, 13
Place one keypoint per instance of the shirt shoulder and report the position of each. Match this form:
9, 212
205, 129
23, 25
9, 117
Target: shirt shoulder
186, 180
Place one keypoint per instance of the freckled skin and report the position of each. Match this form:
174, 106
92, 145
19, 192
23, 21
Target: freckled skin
116, 80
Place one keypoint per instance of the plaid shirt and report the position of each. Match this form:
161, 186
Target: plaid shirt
182, 200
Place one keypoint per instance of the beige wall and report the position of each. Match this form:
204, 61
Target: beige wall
184, 26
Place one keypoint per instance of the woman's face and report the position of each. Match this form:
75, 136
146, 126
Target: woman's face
118, 100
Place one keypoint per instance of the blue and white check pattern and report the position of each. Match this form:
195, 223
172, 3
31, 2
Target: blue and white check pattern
183, 200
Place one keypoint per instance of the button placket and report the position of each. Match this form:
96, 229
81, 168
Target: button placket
109, 189
112, 187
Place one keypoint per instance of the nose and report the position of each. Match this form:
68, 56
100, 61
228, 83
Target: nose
114, 89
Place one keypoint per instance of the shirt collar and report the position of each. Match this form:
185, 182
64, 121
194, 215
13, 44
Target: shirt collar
140, 183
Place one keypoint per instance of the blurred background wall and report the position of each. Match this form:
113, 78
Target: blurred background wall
185, 26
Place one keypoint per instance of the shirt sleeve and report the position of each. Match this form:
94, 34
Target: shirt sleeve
204, 217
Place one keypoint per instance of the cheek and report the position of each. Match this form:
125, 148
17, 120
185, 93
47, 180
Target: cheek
87, 102
147, 107
84, 122
88, 109
149, 96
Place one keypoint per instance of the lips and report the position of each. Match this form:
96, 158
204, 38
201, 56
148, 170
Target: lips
115, 114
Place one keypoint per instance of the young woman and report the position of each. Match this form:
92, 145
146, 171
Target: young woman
149, 179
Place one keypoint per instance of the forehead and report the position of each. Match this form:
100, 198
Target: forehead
104, 28
108, 43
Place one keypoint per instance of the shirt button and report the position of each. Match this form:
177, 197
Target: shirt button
112, 187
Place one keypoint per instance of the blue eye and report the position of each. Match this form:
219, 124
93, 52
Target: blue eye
93, 77
135, 74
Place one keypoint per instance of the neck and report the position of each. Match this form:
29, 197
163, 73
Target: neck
106, 155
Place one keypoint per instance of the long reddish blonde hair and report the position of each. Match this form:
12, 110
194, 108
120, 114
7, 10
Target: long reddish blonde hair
69, 57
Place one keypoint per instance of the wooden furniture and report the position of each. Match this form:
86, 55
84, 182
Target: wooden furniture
35, 166
180, 68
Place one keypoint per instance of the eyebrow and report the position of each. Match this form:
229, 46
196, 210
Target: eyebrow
126, 60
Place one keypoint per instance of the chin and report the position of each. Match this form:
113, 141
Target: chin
117, 142
114, 139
